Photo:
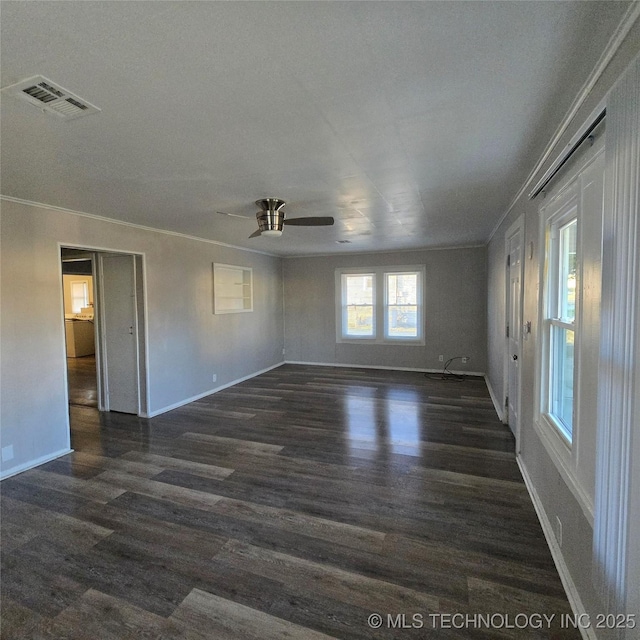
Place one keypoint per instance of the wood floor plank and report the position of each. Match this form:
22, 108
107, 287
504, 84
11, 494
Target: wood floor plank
89, 489
326, 580
227, 620
100, 616
121, 482
234, 443
177, 464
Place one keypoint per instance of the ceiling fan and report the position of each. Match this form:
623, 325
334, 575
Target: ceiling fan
272, 217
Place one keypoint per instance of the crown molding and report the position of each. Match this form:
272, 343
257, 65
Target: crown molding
133, 225
628, 20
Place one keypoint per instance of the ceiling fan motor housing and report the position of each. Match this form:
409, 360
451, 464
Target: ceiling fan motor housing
271, 218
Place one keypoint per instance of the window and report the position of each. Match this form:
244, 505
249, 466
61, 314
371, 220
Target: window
358, 304
401, 298
379, 305
79, 296
568, 349
232, 289
560, 318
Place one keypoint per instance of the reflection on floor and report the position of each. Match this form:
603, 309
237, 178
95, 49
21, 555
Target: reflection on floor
82, 381
293, 505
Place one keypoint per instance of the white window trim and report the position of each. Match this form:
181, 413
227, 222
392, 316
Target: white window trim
564, 455
379, 309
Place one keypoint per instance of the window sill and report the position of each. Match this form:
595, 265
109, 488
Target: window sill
560, 453
376, 341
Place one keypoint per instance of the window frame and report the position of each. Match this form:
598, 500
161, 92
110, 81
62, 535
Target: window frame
380, 304
584, 186
85, 295
552, 322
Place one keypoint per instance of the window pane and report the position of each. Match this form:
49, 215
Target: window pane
79, 296
402, 321
402, 288
562, 377
358, 303
402, 305
567, 272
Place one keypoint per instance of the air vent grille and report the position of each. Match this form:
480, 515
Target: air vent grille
51, 97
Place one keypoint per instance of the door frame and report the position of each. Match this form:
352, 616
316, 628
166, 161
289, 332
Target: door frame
517, 227
141, 324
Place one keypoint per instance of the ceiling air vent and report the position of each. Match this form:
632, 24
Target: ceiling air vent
50, 97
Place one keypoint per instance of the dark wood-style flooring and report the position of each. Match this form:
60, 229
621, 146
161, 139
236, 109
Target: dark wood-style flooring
293, 505
82, 381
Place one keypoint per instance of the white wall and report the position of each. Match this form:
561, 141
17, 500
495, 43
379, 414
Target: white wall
186, 343
556, 499
454, 310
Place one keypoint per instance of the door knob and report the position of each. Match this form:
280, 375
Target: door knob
514, 356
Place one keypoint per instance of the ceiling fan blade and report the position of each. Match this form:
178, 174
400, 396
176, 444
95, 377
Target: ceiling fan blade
318, 221
234, 215
256, 233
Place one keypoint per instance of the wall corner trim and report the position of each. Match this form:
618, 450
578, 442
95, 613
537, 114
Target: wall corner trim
34, 463
565, 576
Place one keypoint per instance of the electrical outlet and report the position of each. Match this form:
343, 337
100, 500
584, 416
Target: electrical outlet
7, 453
440, 358
214, 377
559, 531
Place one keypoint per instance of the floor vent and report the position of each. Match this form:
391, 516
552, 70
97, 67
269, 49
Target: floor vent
50, 97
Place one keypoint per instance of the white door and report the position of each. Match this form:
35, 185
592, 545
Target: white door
119, 333
514, 305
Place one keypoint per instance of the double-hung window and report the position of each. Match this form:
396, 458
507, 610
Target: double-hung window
560, 327
380, 305
560, 320
566, 391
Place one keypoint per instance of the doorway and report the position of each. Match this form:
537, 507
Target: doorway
104, 329
79, 323
513, 329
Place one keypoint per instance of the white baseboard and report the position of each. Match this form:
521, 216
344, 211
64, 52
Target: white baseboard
556, 553
376, 366
498, 405
34, 463
176, 405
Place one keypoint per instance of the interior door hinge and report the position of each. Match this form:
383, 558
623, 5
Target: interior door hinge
507, 331
506, 402
509, 260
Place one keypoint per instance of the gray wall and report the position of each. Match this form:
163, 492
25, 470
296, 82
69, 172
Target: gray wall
554, 495
455, 310
186, 342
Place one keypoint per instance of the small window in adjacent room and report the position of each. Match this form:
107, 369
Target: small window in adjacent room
79, 296
380, 305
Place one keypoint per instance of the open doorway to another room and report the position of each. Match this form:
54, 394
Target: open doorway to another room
79, 324
104, 317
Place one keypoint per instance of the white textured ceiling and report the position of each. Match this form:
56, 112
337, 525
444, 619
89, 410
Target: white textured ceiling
412, 123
